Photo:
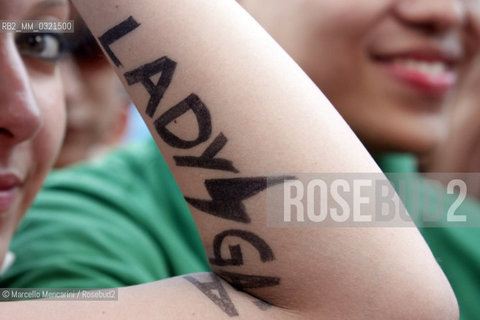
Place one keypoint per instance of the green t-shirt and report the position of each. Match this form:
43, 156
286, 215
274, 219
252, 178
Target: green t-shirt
457, 249
119, 221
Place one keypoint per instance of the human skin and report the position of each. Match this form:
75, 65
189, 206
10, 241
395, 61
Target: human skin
32, 110
389, 67
97, 105
459, 153
460, 150
97, 110
271, 117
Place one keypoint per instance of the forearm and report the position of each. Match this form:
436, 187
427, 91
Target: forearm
255, 112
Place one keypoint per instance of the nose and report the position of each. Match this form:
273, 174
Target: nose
20, 117
434, 16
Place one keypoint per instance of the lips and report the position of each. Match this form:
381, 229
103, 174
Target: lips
9, 187
430, 72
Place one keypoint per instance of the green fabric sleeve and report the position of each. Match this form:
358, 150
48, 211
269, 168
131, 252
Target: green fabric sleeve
117, 222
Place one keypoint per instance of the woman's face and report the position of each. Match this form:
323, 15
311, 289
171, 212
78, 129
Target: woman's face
389, 66
31, 109
96, 108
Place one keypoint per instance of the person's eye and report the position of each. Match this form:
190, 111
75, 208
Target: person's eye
46, 46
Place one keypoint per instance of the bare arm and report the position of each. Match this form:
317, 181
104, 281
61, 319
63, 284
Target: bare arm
227, 107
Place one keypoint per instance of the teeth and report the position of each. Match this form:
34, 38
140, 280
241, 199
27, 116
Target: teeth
434, 68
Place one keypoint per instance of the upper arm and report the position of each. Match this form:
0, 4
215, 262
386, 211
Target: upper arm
227, 108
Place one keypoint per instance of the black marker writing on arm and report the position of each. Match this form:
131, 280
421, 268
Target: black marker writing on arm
274, 120
143, 74
236, 258
227, 194
207, 159
114, 34
222, 300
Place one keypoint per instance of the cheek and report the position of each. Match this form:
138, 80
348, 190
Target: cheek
104, 99
39, 154
49, 96
330, 43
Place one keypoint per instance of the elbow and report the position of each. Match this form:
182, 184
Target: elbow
448, 308
439, 303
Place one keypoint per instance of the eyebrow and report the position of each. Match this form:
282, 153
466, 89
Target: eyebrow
45, 6
48, 4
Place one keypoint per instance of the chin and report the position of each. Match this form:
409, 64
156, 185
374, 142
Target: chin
419, 142
418, 145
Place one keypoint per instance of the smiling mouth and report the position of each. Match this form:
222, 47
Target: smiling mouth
428, 68
430, 75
